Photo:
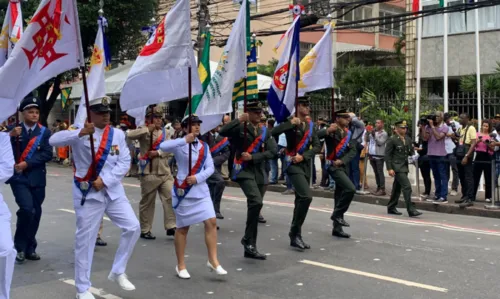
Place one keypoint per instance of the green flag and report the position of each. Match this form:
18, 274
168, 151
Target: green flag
252, 83
65, 100
441, 3
203, 72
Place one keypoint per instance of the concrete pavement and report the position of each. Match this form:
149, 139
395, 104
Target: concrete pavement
434, 256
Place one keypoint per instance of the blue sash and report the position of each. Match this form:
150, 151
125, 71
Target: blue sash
239, 164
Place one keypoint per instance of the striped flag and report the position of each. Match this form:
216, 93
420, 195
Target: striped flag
203, 72
11, 30
65, 100
252, 82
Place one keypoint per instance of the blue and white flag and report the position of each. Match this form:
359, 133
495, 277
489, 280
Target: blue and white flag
281, 96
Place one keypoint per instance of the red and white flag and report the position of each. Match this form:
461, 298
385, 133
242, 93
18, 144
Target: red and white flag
48, 47
11, 31
160, 72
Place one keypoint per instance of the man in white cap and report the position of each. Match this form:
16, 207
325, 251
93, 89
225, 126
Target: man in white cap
97, 190
7, 251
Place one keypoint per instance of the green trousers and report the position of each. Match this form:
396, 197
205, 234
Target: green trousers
254, 193
303, 199
344, 191
401, 184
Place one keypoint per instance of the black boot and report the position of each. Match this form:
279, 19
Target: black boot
340, 220
339, 232
394, 211
297, 242
307, 246
414, 213
251, 251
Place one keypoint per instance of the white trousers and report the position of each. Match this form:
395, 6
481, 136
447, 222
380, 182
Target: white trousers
7, 251
88, 220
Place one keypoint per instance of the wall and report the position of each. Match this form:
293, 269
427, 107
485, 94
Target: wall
461, 54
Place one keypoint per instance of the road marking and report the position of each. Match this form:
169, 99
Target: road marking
376, 276
73, 212
93, 290
383, 218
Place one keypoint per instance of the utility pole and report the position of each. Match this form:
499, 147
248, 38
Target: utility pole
203, 18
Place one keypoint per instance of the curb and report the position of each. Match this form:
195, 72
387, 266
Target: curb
477, 210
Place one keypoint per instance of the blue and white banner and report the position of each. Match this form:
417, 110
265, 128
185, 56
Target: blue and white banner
281, 97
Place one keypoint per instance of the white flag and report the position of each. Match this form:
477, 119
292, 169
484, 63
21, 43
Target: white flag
160, 73
217, 99
95, 80
48, 47
316, 68
11, 31
139, 114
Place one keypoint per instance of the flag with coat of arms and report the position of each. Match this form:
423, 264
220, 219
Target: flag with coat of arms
49, 46
11, 31
316, 68
99, 62
282, 94
160, 72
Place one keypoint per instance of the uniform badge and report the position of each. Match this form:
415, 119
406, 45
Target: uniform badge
237, 167
143, 162
84, 186
288, 158
180, 192
115, 150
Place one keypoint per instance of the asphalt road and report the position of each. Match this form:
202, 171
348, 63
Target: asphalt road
435, 256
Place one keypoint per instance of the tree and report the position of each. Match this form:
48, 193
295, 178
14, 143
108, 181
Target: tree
125, 19
490, 83
268, 69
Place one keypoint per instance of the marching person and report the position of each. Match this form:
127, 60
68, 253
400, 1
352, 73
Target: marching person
219, 148
97, 189
31, 154
398, 148
340, 150
302, 146
191, 197
156, 178
7, 251
248, 165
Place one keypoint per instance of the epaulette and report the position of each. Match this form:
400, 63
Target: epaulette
73, 128
3, 129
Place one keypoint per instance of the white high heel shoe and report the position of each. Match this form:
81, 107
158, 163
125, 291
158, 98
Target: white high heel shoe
184, 274
219, 270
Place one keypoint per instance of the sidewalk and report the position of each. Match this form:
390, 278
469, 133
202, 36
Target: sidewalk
451, 208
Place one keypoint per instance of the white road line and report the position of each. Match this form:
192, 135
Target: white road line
376, 276
383, 218
73, 212
94, 291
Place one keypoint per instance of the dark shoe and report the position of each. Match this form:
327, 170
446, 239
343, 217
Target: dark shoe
100, 242
466, 203
461, 200
307, 246
171, 232
20, 258
339, 232
251, 252
297, 242
148, 236
414, 213
218, 215
218, 227
382, 192
394, 212
340, 221
261, 219
33, 256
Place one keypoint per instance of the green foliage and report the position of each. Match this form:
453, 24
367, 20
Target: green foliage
490, 83
371, 110
355, 79
399, 45
268, 69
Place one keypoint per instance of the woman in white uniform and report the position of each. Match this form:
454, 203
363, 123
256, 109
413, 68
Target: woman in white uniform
7, 251
190, 196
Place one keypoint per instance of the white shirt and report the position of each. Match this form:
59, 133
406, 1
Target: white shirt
448, 142
282, 140
6, 161
28, 128
115, 167
180, 148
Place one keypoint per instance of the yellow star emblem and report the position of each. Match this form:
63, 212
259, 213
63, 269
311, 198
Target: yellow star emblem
97, 56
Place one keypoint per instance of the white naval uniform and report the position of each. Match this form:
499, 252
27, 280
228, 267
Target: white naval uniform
111, 200
7, 251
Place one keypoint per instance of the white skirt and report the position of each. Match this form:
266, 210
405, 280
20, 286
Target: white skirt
193, 210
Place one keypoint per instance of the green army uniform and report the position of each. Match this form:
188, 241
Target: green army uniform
397, 151
344, 188
251, 177
300, 173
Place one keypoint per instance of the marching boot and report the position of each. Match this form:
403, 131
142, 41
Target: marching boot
394, 211
306, 246
339, 232
340, 220
297, 242
250, 251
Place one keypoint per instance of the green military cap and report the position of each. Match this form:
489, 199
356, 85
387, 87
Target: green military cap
156, 111
401, 124
255, 106
304, 100
342, 113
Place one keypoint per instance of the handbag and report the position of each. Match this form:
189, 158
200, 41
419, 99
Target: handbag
461, 149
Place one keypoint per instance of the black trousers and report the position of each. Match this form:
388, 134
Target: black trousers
466, 176
30, 201
254, 193
482, 164
425, 171
216, 185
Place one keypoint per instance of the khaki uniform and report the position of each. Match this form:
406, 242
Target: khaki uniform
159, 180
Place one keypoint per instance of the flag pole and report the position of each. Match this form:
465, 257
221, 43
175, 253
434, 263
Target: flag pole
18, 142
445, 58
245, 128
189, 119
297, 79
86, 93
419, 62
478, 70
333, 68
151, 120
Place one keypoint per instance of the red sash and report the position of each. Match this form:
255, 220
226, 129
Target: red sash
220, 145
195, 169
98, 156
30, 145
340, 148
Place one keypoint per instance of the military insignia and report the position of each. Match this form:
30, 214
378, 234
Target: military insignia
84, 186
237, 167
3, 129
105, 101
180, 192
115, 150
404, 123
143, 162
259, 105
288, 158
34, 100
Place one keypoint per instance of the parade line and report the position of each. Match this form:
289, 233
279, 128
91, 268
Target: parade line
375, 276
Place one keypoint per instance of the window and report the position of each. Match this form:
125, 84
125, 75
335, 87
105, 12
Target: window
305, 48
